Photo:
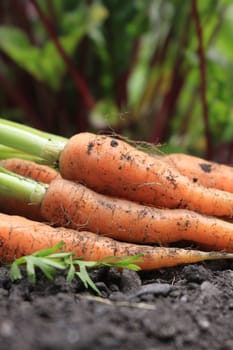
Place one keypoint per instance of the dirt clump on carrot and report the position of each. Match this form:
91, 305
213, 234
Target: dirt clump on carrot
20, 236
73, 205
114, 167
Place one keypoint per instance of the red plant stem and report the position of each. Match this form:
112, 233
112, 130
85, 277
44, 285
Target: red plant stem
78, 80
202, 65
21, 101
160, 53
52, 12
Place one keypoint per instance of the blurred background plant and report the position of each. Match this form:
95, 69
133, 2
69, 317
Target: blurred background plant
153, 70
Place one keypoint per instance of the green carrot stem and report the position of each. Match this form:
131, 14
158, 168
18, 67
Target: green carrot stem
25, 141
32, 130
8, 152
18, 187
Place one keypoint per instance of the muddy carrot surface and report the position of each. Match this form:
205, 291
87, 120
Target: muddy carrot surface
114, 167
20, 236
209, 174
69, 204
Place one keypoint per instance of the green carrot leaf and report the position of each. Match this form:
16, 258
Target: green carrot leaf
81, 262
61, 255
49, 271
71, 273
50, 260
49, 251
15, 273
129, 263
30, 268
56, 263
85, 278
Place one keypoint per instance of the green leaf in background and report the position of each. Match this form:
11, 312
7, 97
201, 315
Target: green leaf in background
140, 75
104, 114
139, 62
45, 63
16, 45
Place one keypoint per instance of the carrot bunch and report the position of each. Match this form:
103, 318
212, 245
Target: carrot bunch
111, 198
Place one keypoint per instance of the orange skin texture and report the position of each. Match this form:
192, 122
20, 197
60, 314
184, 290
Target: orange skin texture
20, 236
114, 167
32, 170
209, 174
73, 205
17, 207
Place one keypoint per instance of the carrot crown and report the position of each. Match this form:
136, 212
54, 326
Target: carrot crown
39, 144
19, 187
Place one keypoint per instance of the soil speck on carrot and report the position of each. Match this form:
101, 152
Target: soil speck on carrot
89, 147
114, 143
206, 167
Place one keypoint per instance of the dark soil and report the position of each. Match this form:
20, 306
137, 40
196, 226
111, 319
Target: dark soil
188, 307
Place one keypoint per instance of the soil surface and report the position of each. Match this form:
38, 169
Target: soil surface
188, 307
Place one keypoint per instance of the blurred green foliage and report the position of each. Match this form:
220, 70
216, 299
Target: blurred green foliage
44, 62
137, 61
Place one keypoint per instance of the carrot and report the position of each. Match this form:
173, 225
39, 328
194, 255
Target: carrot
69, 204
199, 170
114, 167
31, 170
16, 207
20, 236
73, 205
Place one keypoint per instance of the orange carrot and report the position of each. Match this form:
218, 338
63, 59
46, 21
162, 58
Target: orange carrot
16, 207
20, 236
114, 167
31, 170
199, 170
69, 204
